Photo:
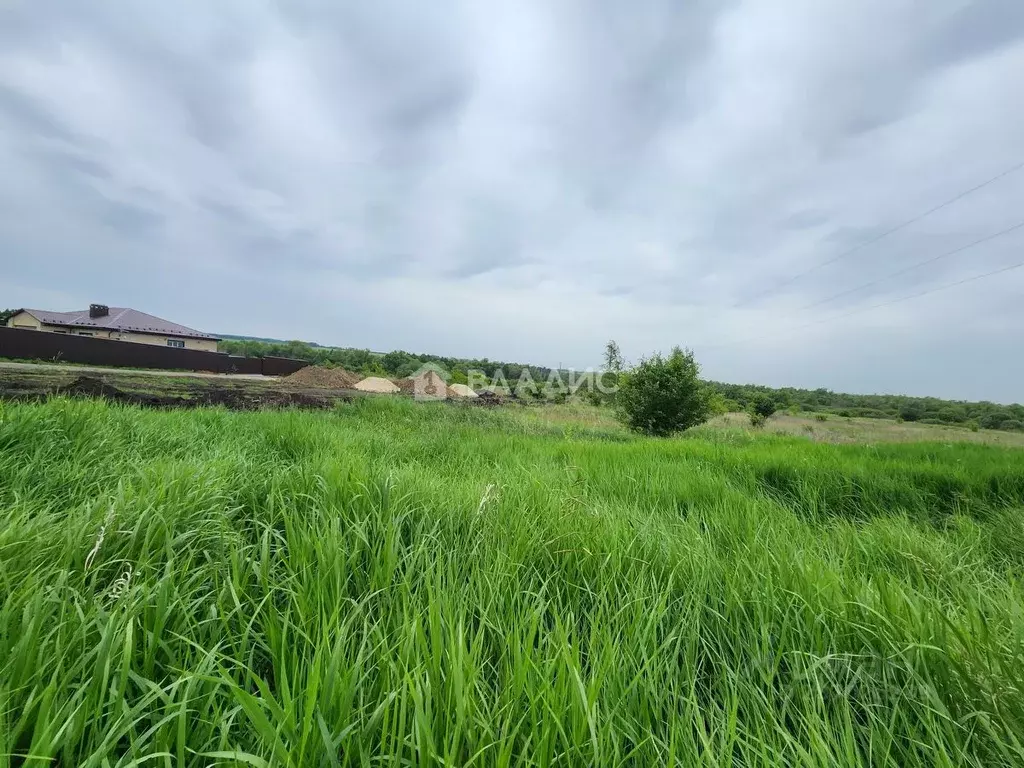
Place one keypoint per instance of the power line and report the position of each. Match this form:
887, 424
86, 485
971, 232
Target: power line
971, 279
912, 267
885, 234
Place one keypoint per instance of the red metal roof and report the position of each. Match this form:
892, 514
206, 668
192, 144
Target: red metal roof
119, 319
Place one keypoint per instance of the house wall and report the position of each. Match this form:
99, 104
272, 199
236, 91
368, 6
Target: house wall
27, 321
23, 320
207, 345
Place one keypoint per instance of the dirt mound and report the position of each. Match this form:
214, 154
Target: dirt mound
427, 386
89, 386
378, 385
462, 390
488, 397
323, 378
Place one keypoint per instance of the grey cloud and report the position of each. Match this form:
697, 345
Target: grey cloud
27, 117
130, 220
609, 169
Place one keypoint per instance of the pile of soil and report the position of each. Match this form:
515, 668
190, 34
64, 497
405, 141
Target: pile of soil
378, 385
323, 378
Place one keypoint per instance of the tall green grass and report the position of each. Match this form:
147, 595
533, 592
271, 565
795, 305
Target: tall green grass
403, 584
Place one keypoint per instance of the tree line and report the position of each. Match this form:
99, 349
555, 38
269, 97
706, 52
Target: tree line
397, 364
926, 410
723, 397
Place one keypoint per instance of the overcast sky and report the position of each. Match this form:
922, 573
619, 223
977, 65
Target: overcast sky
524, 180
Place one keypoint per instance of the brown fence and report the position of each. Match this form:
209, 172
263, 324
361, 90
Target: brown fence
26, 344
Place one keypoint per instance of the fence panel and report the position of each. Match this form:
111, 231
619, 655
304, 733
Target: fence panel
24, 344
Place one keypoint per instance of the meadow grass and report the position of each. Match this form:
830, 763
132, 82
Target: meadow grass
393, 583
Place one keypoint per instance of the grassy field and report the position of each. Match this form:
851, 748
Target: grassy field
838, 429
392, 583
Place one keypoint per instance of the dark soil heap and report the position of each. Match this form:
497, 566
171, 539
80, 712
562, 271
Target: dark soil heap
323, 378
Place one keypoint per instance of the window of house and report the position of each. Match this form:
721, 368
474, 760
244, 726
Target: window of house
175, 343
86, 333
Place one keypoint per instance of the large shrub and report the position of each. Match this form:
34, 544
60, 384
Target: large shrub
663, 395
911, 412
762, 409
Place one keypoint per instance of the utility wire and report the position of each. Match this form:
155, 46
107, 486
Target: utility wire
885, 234
912, 267
971, 279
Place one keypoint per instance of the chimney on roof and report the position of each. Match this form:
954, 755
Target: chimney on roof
98, 310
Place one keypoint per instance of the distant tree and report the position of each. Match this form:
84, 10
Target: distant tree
663, 395
949, 416
612, 370
992, 421
392, 361
612, 357
911, 412
717, 404
7, 314
408, 368
761, 409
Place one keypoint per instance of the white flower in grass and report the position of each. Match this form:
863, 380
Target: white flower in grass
99, 540
95, 548
121, 586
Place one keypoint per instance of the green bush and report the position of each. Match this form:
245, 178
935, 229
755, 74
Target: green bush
663, 395
764, 405
910, 412
992, 421
821, 416
761, 409
717, 405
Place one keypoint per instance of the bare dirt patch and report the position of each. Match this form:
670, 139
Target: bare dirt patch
162, 391
232, 399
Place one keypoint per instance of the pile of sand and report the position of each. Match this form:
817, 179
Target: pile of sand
461, 390
378, 385
323, 378
428, 385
